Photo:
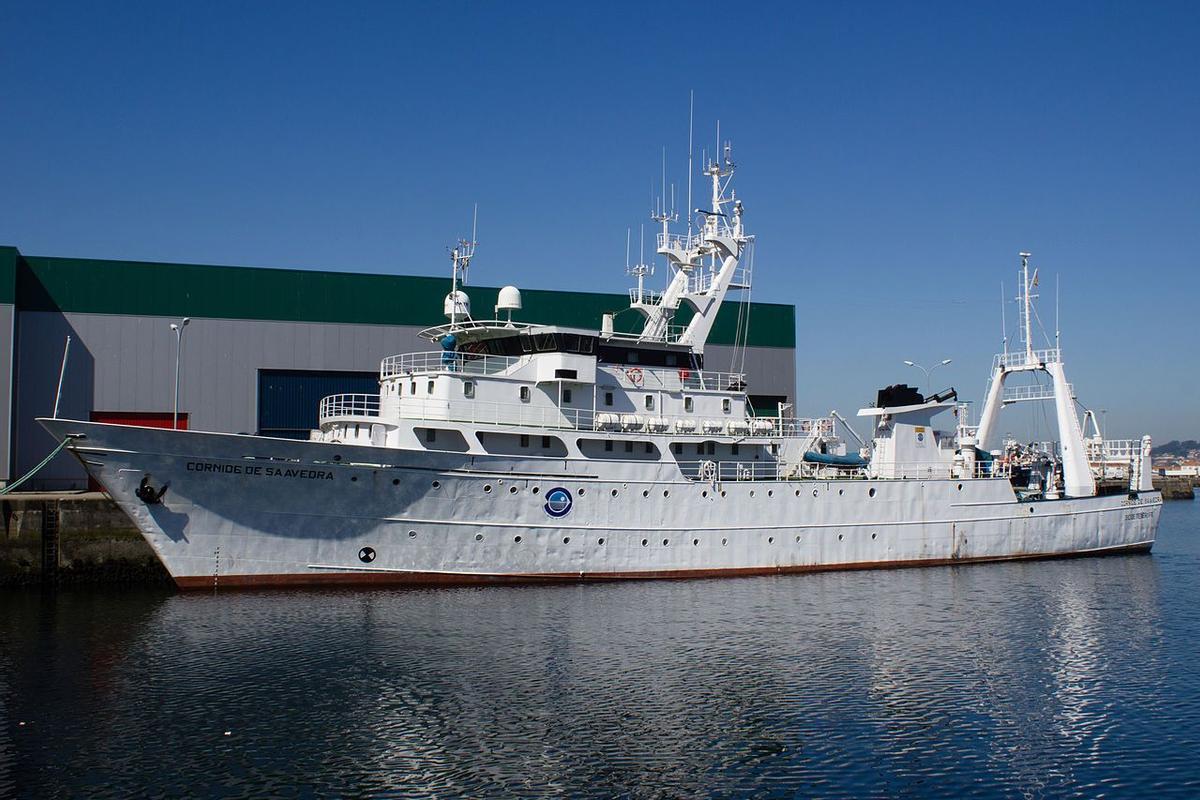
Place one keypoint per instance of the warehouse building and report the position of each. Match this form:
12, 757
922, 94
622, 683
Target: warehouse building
262, 347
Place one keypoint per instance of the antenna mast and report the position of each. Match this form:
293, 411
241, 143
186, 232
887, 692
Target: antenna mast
691, 116
460, 260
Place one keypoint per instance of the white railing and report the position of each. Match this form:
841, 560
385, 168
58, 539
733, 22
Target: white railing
1017, 394
1021, 359
1120, 450
645, 297
337, 406
719, 471
677, 241
436, 361
635, 377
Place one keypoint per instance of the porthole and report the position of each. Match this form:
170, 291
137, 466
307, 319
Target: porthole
645, 493
479, 537
797, 493
354, 478
395, 481
566, 540
724, 542
960, 487
841, 536
841, 492
487, 488
437, 484
1031, 509
613, 492
695, 542
337, 458
582, 492
535, 490
797, 540
814, 492
770, 492
666, 542
873, 535
770, 540
666, 492
722, 493
600, 541
752, 493
512, 490
517, 539
871, 492
704, 493
412, 534
645, 542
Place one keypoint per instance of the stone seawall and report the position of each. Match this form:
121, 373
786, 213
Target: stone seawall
95, 542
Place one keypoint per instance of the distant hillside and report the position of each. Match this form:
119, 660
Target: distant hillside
1176, 448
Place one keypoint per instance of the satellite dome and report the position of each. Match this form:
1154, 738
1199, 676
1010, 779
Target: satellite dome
509, 299
457, 304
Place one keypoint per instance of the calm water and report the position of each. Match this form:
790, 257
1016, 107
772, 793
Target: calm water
1064, 678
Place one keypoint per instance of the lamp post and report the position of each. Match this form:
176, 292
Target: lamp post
178, 329
927, 372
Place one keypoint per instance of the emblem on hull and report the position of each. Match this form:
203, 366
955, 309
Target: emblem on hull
558, 502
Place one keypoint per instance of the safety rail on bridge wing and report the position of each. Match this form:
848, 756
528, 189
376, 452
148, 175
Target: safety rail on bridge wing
445, 361
348, 406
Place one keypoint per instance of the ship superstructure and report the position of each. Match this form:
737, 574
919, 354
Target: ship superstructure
511, 450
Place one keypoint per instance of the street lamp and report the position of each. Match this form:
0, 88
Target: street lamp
927, 372
178, 329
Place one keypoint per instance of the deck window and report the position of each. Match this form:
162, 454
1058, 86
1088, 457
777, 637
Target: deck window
649, 402
608, 445
429, 388
468, 388
430, 435
629, 447
726, 405
677, 448
566, 395
608, 398
545, 442
524, 440
412, 388
524, 394
688, 405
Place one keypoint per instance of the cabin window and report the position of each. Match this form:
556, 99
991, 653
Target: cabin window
649, 402
412, 388
726, 405
608, 398
631, 357
468, 388
524, 440
629, 447
608, 445
711, 447
524, 394
430, 435
677, 448
687, 404
545, 442
566, 395
700, 449
429, 389
735, 449
649, 448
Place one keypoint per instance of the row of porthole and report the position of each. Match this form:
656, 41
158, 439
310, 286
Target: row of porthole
487, 488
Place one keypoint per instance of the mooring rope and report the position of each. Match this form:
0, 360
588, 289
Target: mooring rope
34, 471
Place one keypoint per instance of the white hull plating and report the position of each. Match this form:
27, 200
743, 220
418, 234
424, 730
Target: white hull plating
242, 510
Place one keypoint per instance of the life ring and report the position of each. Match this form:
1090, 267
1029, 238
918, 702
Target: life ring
635, 375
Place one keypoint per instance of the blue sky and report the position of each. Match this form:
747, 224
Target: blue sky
893, 159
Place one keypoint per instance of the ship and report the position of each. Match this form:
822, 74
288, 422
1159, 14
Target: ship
512, 451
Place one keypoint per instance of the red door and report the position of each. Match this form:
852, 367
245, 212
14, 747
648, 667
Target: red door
146, 419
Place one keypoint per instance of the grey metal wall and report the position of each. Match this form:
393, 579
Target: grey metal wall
127, 363
7, 350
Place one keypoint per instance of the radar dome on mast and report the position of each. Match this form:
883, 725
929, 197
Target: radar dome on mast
508, 300
457, 304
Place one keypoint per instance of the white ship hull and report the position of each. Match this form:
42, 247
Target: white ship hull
243, 510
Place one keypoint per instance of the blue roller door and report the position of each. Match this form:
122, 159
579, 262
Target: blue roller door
288, 398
